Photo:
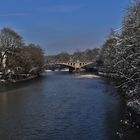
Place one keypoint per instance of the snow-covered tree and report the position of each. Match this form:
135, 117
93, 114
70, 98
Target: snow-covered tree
121, 54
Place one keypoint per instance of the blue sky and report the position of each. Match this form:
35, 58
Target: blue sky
63, 25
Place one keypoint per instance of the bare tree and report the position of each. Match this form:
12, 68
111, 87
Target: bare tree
30, 58
9, 41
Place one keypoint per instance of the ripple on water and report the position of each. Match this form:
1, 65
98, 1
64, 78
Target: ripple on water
60, 107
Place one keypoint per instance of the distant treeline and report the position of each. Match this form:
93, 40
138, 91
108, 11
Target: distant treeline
87, 55
16, 57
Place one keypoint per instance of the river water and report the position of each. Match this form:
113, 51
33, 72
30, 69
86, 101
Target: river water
60, 106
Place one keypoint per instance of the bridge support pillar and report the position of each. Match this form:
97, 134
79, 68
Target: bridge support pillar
70, 70
77, 70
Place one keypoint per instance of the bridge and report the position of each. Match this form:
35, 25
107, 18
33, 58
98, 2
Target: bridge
74, 66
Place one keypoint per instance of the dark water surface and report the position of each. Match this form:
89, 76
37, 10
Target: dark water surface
60, 107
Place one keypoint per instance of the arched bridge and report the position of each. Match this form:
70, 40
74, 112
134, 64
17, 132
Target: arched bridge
75, 66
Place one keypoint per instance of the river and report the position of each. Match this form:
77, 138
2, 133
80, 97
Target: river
60, 106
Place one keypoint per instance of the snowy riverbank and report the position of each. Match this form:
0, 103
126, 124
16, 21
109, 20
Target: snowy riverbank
132, 102
7, 81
